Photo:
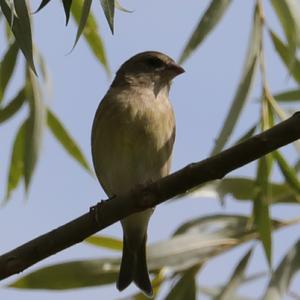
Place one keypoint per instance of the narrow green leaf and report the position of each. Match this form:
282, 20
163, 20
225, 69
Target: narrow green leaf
10, 38
179, 253
215, 291
208, 21
70, 275
236, 279
185, 287
108, 7
91, 34
244, 86
263, 193
105, 242
218, 226
287, 171
288, 12
249, 133
297, 166
243, 189
235, 109
288, 96
83, 19
121, 8
66, 140
287, 23
283, 52
294, 7
261, 207
14, 105
282, 114
67, 7
12, 11
281, 279
16, 168
199, 240
35, 126
275, 108
42, 5
21, 28
137, 296
7, 67
212, 292
262, 199
45, 73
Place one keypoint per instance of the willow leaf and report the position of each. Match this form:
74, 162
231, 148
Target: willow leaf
283, 275
283, 51
249, 133
180, 253
20, 25
288, 96
66, 140
13, 106
288, 12
244, 86
236, 279
83, 19
67, 7
90, 33
7, 67
233, 115
42, 5
208, 21
108, 7
185, 287
243, 189
121, 8
16, 168
288, 172
34, 127
105, 242
263, 191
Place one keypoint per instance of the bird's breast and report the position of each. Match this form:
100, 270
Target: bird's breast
132, 139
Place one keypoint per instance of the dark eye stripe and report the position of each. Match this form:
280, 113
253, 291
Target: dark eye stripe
154, 62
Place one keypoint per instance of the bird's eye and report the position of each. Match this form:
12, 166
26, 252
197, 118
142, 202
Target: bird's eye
154, 62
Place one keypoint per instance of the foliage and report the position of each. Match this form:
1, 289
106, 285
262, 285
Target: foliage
196, 241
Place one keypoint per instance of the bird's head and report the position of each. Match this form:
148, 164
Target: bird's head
148, 69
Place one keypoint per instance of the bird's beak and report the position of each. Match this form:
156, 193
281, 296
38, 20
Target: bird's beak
175, 68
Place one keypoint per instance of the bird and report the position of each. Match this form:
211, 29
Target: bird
132, 138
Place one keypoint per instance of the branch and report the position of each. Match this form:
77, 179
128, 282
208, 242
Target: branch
112, 210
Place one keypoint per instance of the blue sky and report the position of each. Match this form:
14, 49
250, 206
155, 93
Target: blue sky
61, 190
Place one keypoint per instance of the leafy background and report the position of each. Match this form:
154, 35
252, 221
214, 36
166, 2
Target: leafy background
220, 69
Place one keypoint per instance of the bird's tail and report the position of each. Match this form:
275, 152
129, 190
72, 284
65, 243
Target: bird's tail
134, 268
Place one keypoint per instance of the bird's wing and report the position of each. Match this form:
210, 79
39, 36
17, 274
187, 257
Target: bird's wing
100, 110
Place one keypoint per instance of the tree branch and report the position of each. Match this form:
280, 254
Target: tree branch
110, 211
